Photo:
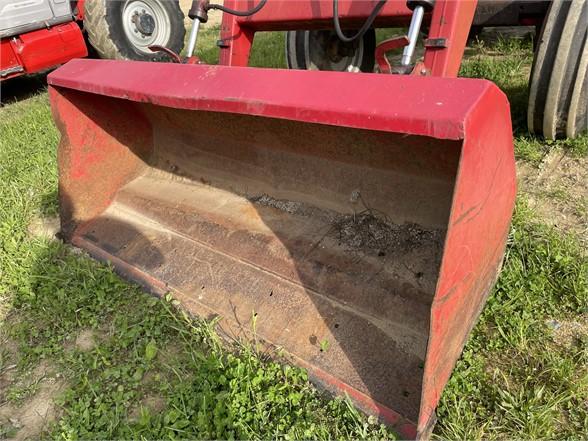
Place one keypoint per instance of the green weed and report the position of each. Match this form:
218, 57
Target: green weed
7, 431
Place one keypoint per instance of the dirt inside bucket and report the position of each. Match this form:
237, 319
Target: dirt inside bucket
368, 230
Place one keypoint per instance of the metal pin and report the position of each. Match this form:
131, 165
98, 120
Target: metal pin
193, 37
413, 35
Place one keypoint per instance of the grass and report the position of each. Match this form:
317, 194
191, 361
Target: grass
152, 372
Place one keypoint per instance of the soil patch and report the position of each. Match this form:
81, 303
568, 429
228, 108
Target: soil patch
567, 332
8, 364
86, 340
152, 403
557, 190
371, 233
46, 227
29, 419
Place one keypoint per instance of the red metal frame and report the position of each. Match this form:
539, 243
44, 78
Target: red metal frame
9, 61
79, 9
386, 46
450, 22
41, 49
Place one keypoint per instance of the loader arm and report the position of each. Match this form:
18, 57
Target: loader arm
449, 22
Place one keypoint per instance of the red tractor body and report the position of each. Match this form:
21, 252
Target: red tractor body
41, 49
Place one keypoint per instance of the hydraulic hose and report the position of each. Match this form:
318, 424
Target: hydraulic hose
368, 23
199, 14
246, 13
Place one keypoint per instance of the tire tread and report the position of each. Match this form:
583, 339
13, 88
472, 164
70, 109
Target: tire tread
98, 30
98, 18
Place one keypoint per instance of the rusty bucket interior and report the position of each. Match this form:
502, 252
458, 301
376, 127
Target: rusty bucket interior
331, 235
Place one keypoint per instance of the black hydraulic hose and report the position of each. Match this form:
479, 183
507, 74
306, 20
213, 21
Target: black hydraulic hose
368, 23
246, 13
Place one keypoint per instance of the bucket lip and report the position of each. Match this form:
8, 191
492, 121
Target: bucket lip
427, 106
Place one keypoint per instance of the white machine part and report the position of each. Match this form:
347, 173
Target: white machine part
19, 16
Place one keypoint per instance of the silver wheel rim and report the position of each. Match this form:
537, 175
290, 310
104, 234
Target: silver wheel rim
317, 58
152, 12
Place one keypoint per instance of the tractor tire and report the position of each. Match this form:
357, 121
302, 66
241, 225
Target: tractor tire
322, 50
559, 82
124, 29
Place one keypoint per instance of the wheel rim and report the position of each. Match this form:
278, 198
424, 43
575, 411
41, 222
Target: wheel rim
324, 51
146, 23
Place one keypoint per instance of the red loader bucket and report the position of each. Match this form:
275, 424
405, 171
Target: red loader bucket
362, 218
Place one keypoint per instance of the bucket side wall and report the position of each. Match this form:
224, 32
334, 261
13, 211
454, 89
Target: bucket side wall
104, 145
476, 238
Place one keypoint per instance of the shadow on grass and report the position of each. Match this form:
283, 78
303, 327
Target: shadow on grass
518, 96
21, 88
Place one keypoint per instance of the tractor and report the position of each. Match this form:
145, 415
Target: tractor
322, 203
39, 35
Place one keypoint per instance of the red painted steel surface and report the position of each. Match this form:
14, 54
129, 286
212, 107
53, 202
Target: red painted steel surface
450, 20
80, 10
43, 49
426, 110
473, 113
477, 232
237, 32
8, 59
293, 15
386, 46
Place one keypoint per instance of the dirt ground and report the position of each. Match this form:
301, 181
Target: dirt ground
558, 191
566, 332
27, 418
